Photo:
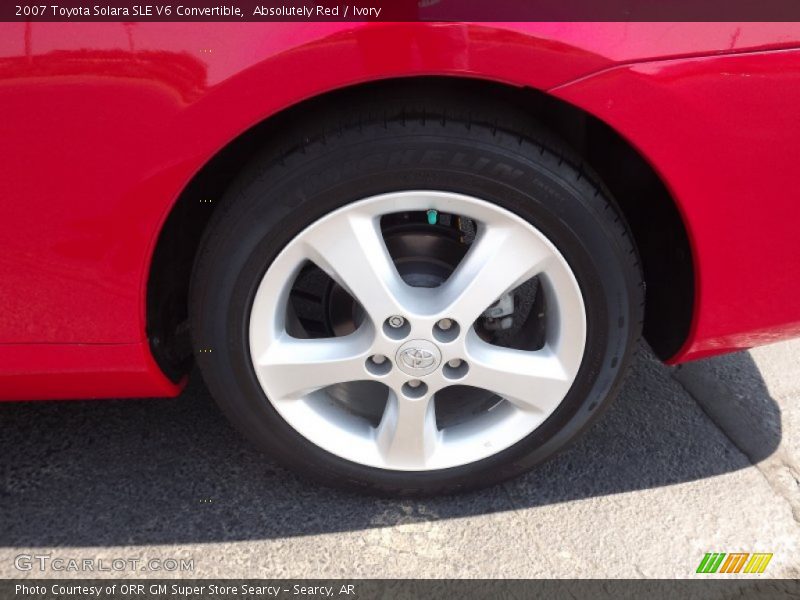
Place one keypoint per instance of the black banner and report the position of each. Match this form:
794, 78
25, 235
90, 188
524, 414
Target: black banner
201, 589
401, 10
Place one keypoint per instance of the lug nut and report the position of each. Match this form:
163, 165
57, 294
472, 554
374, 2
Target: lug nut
414, 389
378, 365
396, 321
456, 368
446, 330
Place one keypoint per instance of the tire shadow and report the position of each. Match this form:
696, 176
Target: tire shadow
137, 472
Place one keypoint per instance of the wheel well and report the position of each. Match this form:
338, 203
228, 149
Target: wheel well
657, 226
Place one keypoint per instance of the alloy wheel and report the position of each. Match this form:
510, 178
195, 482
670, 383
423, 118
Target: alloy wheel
417, 342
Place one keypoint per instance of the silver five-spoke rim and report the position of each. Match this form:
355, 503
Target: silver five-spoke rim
417, 341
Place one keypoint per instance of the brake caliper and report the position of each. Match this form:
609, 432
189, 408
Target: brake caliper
498, 315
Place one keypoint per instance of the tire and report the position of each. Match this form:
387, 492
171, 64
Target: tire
453, 150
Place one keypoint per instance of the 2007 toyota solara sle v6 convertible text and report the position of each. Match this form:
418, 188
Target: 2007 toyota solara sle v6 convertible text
407, 258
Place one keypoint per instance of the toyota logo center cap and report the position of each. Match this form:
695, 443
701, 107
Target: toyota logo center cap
418, 357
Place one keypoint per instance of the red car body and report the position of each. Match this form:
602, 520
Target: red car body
105, 124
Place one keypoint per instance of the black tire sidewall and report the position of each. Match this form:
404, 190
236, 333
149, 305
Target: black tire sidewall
275, 200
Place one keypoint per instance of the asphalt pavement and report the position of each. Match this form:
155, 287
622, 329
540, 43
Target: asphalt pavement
702, 458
